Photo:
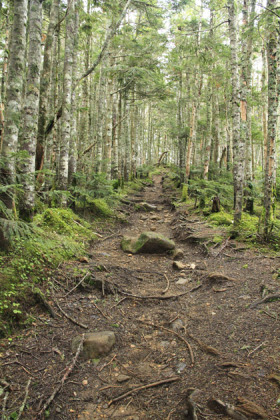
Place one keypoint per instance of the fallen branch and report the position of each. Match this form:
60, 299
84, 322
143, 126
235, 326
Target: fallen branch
77, 285
174, 333
268, 298
257, 348
191, 405
42, 299
251, 409
4, 404
69, 317
22, 407
118, 303
153, 297
102, 313
107, 364
140, 388
65, 376
226, 409
204, 346
167, 286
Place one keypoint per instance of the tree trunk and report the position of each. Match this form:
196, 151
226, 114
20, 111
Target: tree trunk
45, 85
238, 143
271, 124
31, 106
13, 99
67, 95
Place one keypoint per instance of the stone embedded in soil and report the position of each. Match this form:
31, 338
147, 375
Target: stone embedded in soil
153, 228
177, 254
147, 206
95, 344
182, 281
147, 242
177, 325
178, 265
122, 378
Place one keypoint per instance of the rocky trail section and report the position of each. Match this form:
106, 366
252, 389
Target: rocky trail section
189, 334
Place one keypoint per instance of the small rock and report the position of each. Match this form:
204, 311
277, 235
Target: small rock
95, 344
147, 206
177, 265
180, 367
182, 281
153, 228
154, 217
122, 378
177, 254
164, 344
84, 260
85, 382
143, 217
177, 325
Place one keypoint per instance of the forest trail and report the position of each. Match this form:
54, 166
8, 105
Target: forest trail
208, 339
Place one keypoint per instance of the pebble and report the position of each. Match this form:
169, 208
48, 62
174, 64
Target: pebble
182, 281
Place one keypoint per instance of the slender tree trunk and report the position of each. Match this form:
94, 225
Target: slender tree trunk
271, 125
67, 95
14, 99
45, 85
72, 167
31, 107
238, 143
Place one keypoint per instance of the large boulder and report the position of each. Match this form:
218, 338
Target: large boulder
95, 344
147, 242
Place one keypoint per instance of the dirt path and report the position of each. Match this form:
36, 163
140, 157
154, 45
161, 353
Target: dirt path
234, 348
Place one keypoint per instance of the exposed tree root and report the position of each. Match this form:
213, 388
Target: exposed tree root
140, 388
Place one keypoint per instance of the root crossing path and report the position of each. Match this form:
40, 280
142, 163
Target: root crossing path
188, 344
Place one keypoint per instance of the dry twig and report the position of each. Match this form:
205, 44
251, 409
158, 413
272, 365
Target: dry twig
22, 407
140, 388
65, 376
77, 285
153, 297
174, 333
268, 298
69, 317
167, 286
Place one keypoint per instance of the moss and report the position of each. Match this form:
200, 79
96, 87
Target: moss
221, 218
100, 207
64, 222
217, 239
184, 192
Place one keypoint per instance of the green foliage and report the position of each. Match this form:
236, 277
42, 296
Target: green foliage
64, 222
221, 219
201, 189
101, 208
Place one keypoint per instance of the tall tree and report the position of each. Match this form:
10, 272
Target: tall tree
14, 99
238, 142
272, 120
31, 106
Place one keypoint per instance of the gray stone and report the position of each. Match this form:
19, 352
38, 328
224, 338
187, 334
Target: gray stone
177, 325
95, 344
146, 206
182, 281
147, 242
180, 367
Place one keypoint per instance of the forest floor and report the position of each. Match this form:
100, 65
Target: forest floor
209, 339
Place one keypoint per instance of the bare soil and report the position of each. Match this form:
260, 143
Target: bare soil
235, 348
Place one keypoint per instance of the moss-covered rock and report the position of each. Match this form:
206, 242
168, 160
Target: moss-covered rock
147, 242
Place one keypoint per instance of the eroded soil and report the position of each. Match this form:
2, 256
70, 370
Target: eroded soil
235, 348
